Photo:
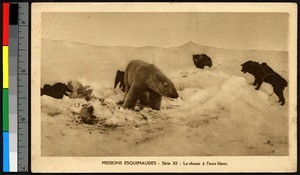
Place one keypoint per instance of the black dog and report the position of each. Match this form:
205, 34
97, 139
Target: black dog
264, 73
58, 90
201, 61
120, 79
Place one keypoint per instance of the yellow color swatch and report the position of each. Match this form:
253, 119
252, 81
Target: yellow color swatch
5, 66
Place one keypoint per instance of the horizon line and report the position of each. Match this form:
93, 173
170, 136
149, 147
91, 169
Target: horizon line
94, 45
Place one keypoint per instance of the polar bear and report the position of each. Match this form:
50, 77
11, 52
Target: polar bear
146, 83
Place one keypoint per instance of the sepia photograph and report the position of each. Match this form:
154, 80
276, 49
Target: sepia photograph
134, 82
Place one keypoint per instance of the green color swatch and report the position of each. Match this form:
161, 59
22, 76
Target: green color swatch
5, 110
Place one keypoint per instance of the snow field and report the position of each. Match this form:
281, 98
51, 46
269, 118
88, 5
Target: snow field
218, 112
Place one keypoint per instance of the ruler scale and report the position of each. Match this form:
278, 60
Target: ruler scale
22, 86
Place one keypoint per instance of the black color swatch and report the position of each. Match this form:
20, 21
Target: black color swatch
13, 14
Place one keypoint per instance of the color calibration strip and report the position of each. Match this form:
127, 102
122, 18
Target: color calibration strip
13, 84
10, 87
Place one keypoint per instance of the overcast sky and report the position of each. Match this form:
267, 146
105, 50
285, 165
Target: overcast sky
259, 31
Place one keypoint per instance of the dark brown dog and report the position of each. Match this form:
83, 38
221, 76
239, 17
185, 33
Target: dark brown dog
264, 73
58, 90
201, 61
120, 79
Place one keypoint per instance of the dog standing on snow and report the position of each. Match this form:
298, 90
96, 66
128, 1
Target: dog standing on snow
120, 79
202, 60
264, 73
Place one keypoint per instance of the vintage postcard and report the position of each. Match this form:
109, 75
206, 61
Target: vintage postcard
164, 87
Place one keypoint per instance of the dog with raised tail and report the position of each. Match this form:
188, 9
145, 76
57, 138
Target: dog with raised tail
264, 73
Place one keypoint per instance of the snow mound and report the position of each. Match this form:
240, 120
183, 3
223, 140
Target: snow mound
103, 111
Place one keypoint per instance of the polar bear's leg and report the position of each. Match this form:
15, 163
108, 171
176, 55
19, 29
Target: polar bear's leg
144, 99
132, 96
126, 90
155, 100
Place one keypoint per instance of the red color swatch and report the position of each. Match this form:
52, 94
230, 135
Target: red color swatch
5, 23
